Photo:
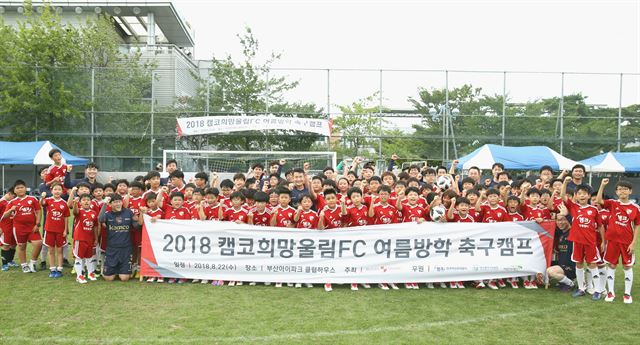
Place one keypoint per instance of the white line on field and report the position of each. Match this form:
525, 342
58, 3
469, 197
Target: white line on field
286, 336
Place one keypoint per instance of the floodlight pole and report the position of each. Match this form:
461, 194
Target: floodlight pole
562, 113
620, 115
380, 119
504, 104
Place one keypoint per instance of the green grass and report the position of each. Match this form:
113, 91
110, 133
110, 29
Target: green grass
39, 310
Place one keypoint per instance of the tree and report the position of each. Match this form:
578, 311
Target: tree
357, 127
241, 88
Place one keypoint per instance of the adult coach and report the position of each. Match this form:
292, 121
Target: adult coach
119, 222
90, 176
563, 269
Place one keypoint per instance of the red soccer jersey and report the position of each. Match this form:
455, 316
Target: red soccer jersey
24, 218
367, 199
178, 190
176, 213
514, 217
475, 214
57, 173
320, 202
490, 214
308, 220
212, 212
165, 197
530, 212
96, 206
459, 219
385, 214
57, 213
233, 215
83, 230
261, 218
622, 222
356, 216
284, 216
332, 218
584, 224
135, 203
156, 213
603, 216
413, 213
6, 224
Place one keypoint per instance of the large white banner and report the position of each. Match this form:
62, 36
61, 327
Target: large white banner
407, 252
225, 124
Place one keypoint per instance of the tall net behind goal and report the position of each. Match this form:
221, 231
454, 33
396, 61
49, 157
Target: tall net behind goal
227, 163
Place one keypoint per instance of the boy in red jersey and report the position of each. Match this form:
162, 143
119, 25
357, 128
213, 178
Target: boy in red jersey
25, 212
305, 217
491, 212
155, 212
330, 215
236, 213
211, 209
411, 210
584, 230
282, 216
382, 212
459, 211
355, 214
135, 202
55, 228
513, 210
622, 236
7, 240
57, 171
260, 215
153, 180
85, 237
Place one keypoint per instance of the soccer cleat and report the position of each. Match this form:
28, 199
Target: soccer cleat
204, 281
97, 274
92, 276
298, 285
32, 267
80, 279
513, 283
5, 267
52, 274
278, 285
354, 287
151, 280
195, 281
610, 297
578, 293
415, 286
327, 287
215, 283
232, 283
383, 286
394, 286
596, 296
408, 286
453, 285
309, 285
238, 283
480, 285
627, 299
501, 284
25, 269
591, 290
58, 274
443, 285
366, 286
430, 286
160, 280
12, 264
182, 281
171, 280
252, 284
534, 285
526, 284
43, 266
460, 285
492, 285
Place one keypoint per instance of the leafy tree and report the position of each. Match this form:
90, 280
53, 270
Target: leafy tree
358, 128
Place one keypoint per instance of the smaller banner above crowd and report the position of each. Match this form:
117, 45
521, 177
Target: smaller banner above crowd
226, 124
399, 253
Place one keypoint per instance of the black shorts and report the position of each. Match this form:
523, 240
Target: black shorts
117, 261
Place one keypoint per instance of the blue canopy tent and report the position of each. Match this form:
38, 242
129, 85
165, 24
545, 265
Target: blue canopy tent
515, 158
614, 162
32, 153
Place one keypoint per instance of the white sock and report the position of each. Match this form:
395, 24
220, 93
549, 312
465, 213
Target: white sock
91, 265
589, 279
595, 276
566, 281
78, 266
628, 281
52, 268
59, 268
580, 278
611, 279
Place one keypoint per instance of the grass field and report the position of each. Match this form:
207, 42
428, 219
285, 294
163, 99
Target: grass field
39, 310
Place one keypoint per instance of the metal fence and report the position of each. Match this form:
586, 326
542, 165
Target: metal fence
124, 122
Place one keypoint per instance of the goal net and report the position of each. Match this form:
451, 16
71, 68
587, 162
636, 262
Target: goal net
227, 163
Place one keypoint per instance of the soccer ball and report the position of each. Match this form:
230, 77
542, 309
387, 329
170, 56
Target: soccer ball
437, 213
444, 182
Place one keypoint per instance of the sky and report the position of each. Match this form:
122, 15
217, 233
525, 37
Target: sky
525, 36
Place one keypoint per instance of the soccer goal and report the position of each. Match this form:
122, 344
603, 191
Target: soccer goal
231, 162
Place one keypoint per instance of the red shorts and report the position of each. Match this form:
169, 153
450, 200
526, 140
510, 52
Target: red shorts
616, 250
54, 239
588, 253
83, 250
136, 238
7, 238
24, 237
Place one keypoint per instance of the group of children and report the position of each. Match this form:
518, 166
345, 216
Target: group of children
356, 197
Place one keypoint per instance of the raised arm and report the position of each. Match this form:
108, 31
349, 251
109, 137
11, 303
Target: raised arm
452, 209
600, 197
563, 191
